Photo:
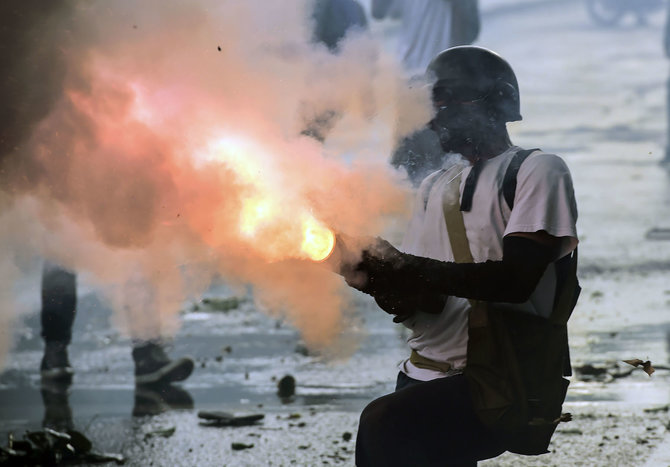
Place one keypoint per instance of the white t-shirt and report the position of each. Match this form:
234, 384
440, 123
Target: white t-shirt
426, 31
544, 200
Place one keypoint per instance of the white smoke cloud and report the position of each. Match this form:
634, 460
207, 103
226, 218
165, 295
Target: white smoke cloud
139, 131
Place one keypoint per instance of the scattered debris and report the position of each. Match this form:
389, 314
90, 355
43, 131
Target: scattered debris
600, 372
51, 447
658, 233
590, 370
162, 432
103, 458
346, 436
286, 386
302, 349
663, 408
607, 372
240, 446
221, 304
220, 418
564, 418
646, 366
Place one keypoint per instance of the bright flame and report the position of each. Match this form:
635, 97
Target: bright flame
318, 240
255, 211
277, 224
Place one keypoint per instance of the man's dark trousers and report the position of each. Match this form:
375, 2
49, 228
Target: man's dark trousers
424, 423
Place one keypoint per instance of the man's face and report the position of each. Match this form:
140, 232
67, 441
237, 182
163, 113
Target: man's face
460, 124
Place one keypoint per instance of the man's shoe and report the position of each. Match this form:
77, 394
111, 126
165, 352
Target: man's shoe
158, 398
55, 363
153, 366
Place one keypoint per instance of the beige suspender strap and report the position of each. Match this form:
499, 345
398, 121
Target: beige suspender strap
460, 247
420, 361
417, 360
454, 219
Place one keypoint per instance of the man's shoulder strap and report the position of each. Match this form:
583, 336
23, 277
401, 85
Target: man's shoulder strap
509, 182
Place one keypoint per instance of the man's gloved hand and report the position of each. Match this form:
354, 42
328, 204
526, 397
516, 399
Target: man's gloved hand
375, 273
394, 305
381, 272
404, 306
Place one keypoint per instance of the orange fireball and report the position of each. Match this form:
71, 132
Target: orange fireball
318, 240
276, 225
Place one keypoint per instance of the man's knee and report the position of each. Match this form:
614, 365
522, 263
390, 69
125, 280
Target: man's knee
371, 416
373, 432
377, 422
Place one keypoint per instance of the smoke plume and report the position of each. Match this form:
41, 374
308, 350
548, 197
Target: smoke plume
156, 145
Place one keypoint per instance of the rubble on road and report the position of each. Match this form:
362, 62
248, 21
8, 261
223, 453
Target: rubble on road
51, 447
220, 418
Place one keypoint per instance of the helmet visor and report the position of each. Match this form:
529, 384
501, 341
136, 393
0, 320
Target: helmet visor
447, 93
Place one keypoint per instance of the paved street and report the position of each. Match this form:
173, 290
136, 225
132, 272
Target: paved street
594, 96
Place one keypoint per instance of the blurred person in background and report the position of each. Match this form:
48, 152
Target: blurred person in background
381, 9
35, 66
59, 304
428, 27
666, 48
333, 19
34, 58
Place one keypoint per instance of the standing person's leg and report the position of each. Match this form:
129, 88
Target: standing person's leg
429, 424
59, 303
56, 399
146, 327
666, 159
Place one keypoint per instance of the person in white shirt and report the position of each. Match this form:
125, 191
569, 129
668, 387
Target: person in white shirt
428, 27
430, 419
666, 49
425, 32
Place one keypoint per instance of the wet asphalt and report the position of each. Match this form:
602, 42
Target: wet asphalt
596, 97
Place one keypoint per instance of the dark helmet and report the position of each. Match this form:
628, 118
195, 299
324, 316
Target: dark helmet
475, 74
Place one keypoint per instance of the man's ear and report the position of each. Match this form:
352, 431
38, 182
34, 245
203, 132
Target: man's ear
502, 94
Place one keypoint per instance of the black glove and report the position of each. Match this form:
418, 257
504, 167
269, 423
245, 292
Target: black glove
375, 275
375, 272
384, 270
403, 306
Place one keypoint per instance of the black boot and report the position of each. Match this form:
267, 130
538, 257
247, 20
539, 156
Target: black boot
153, 366
55, 363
